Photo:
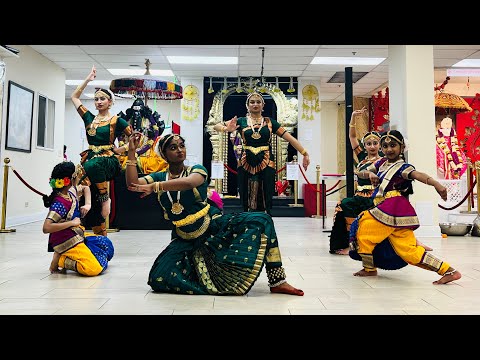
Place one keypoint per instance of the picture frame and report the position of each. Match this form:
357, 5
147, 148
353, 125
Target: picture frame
19, 118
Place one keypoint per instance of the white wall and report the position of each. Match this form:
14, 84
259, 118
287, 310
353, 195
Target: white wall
328, 143
75, 137
39, 74
193, 129
309, 133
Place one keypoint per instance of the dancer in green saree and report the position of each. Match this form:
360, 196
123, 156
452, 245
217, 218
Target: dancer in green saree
210, 253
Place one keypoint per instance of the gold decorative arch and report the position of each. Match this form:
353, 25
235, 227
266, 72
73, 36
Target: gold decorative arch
287, 116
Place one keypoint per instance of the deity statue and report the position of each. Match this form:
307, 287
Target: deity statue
149, 124
451, 160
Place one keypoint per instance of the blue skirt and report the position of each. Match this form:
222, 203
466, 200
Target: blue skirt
101, 247
384, 256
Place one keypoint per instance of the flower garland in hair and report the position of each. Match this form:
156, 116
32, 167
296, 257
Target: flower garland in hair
455, 160
60, 183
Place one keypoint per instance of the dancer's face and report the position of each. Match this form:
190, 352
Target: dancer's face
392, 150
255, 105
176, 151
372, 146
102, 102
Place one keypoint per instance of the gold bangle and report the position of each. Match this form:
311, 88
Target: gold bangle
131, 163
426, 181
158, 187
354, 125
303, 152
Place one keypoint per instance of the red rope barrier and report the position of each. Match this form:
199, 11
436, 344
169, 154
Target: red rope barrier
230, 169
313, 188
23, 181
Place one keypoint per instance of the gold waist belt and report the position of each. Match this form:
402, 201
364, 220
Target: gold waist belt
256, 149
190, 219
197, 233
365, 187
99, 148
389, 194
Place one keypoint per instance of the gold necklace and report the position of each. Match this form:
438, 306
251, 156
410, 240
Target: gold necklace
92, 131
177, 208
256, 134
373, 159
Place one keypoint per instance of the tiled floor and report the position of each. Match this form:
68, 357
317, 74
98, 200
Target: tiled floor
27, 287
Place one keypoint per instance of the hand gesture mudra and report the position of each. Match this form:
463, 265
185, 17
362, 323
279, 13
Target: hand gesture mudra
93, 74
360, 112
134, 140
442, 191
232, 124
145, 189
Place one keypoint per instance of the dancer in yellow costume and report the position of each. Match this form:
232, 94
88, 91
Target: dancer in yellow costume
393, 219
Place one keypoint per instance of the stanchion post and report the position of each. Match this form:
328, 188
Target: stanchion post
295, 187
107, 220
318, 216
4, 197
477, 169
469, 200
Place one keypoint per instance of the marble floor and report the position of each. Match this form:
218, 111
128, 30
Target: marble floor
27, 287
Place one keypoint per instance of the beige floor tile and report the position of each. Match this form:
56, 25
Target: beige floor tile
27, 287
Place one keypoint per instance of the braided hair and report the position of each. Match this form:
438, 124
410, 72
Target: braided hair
65, 169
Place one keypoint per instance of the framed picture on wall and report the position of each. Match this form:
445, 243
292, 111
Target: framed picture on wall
19, 118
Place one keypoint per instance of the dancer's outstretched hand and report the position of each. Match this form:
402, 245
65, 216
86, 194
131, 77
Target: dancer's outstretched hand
145, 190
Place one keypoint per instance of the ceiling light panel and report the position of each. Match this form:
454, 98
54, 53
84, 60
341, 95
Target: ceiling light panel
347, 60
205, 60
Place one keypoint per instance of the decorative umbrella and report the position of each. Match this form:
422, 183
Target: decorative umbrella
450, 101
147, 87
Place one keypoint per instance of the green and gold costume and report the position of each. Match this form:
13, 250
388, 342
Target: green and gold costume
256, 172
212, 253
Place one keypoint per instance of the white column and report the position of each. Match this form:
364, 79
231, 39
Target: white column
192, 130
310, 136
412, 112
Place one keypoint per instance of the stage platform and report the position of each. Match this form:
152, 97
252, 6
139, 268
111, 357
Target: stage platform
130, 212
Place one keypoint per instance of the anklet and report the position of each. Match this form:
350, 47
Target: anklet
450, 272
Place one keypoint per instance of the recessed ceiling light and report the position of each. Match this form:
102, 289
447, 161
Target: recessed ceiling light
91, 83
467, 63
208, 60
463, 72
138, 72
346, 60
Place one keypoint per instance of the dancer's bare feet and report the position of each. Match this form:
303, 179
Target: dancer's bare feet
286, 288
54, 263
106, 208
426, 247
365, 273
342, 251
448, 278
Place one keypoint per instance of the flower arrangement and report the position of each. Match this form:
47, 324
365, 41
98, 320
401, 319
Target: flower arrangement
60, 183
453, 156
